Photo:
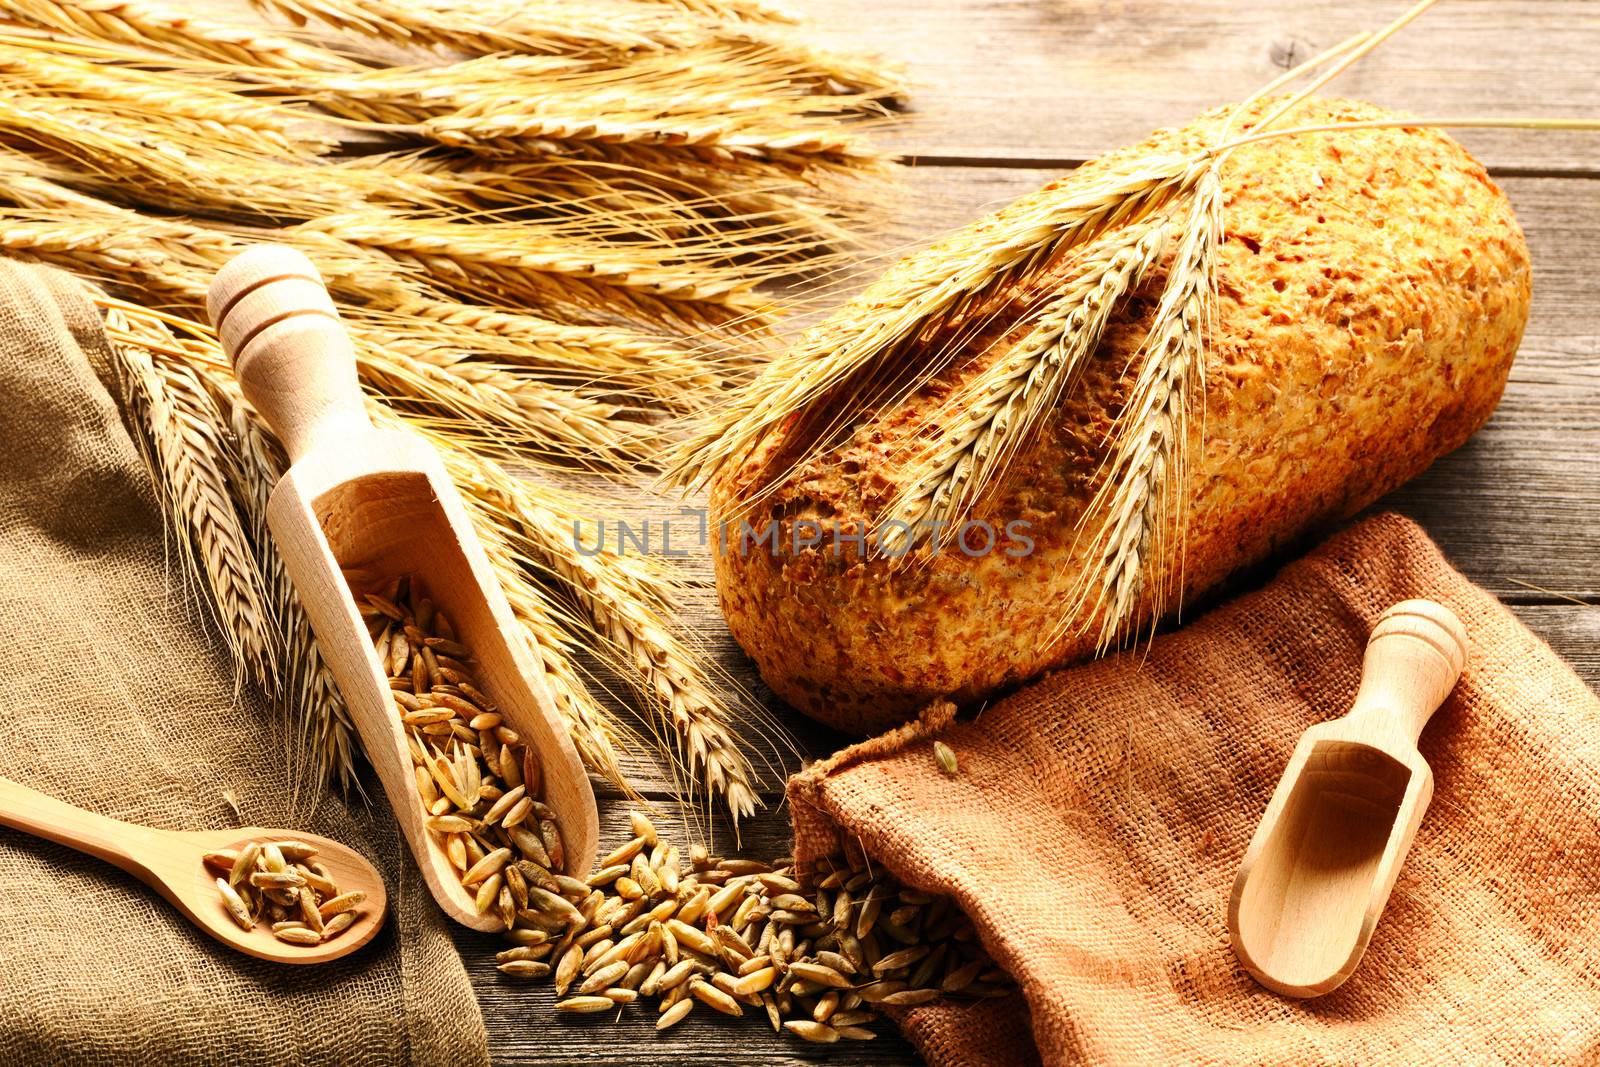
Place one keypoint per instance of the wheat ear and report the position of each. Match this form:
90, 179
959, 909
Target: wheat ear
551, 269
626, 604
656, 370
918, 296
1141, 495
664, 670
214, 111
171, 30
187, 446
594, 734
989, 417
495, 407
537, 27
310, 697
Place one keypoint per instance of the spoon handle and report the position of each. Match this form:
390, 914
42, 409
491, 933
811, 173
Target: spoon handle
291, 355
33, 812
1414, 657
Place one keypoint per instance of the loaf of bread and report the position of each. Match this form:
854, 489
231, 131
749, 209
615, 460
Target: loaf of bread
1373, 286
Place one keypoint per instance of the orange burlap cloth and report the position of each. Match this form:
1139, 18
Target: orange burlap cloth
1098, 821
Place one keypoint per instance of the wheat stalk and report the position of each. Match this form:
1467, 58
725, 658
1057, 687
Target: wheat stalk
254, 465
170, 164
595, 735
597, 27
484, 402
650, 370
170, 256
740, 101
757, 11
552, 270
494, 407
213, 110
538, 27
184, 444
679, 193
989, 418
1140, 496
164, 29
527, 304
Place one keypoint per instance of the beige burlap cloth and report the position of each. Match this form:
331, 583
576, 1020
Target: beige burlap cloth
115, 695
1099, 818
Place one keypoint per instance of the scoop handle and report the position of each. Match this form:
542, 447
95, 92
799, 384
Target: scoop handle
1416, 653
290, 352
55, 820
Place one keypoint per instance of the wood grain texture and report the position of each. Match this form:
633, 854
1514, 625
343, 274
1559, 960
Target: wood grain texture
1058, 80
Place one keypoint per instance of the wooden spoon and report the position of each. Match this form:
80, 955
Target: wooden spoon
1323, 861
169, 862
380, 501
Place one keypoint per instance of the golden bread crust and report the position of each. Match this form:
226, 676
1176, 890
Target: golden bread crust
1373, 288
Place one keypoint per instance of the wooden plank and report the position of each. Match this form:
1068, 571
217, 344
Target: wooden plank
1069, 79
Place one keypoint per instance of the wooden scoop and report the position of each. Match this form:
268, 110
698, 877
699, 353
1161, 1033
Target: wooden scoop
1320, 867
169, 862
380, 501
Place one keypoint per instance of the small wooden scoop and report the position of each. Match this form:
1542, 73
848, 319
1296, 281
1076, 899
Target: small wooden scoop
380, 501
1320, 867
169, 862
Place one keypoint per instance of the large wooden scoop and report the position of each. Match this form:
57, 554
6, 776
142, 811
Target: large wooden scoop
1323, 861
380, 501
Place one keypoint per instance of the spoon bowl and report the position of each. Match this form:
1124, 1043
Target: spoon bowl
172, 863
1303, 903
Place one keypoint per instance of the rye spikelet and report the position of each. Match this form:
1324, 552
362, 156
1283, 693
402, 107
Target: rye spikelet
1141, 497
190, 455
993, 416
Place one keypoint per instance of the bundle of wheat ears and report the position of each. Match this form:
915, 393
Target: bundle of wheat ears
548, 246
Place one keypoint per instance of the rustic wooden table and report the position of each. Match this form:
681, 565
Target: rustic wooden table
1009, 93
